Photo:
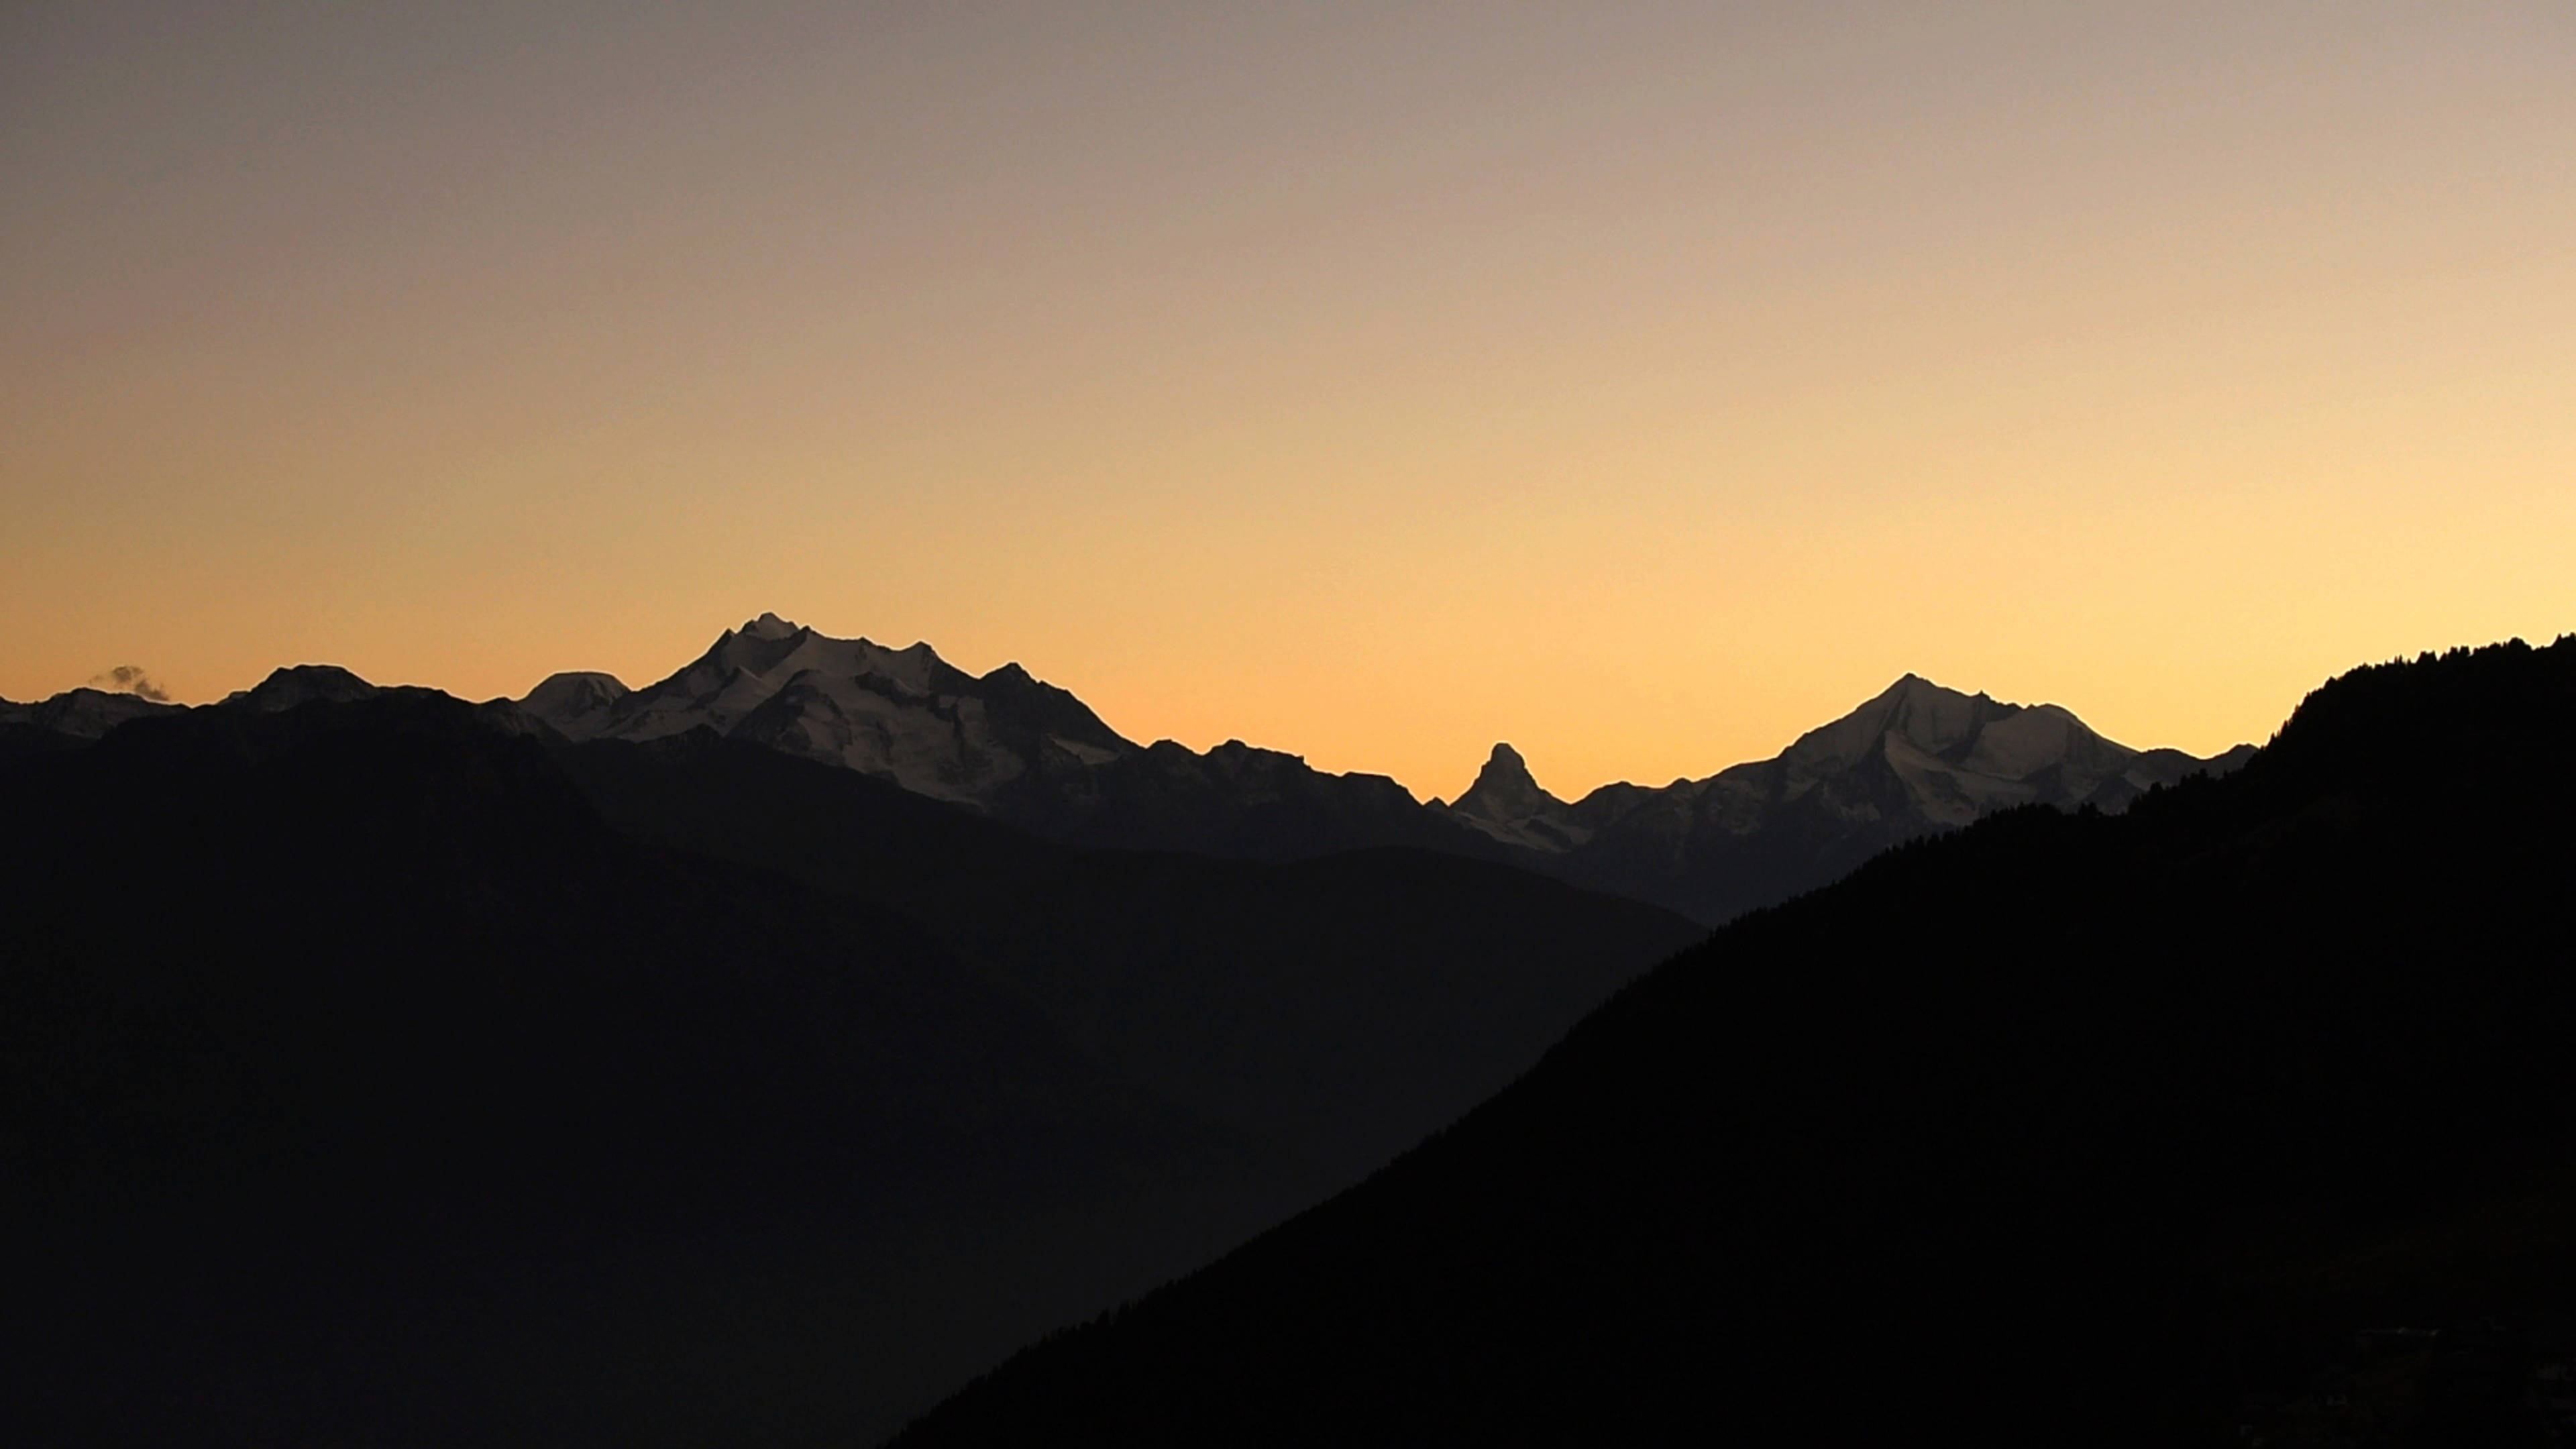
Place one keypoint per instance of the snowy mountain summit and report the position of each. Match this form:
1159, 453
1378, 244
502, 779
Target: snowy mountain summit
1915, 759
903, 715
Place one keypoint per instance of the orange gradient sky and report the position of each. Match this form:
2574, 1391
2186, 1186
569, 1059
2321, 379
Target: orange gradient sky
1642, 384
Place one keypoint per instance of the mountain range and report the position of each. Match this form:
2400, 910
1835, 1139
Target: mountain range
755, 1056
1005, 744
1915, 760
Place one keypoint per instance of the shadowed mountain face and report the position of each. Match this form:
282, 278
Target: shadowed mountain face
379, 1068
2061, 1128
297, 684
1916, 760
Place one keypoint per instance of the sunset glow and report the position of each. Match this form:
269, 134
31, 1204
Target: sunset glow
1641, 384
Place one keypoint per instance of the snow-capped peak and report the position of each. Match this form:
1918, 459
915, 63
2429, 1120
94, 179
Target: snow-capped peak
901, 714
1507, 803
577, 703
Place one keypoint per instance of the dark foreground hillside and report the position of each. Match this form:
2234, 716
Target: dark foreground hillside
361, 1082
2063, 1129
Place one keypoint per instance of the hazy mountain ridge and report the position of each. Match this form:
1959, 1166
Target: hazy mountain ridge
809, 1094
1914, 760
346, 1045
1218, 983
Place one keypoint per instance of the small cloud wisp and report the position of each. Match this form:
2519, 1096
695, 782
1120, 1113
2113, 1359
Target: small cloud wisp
130, 679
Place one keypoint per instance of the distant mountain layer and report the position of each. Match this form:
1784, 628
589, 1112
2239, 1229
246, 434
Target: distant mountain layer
1915, 760
2245, 1116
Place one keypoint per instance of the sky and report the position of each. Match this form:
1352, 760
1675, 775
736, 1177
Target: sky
1639, 383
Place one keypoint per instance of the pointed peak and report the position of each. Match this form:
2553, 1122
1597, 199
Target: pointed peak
1505, 789
1912, 691
770, 626
1504, 769
1910, 685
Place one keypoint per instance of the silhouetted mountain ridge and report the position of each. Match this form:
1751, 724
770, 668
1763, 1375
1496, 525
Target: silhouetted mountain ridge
2063, 1127
1913, 760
